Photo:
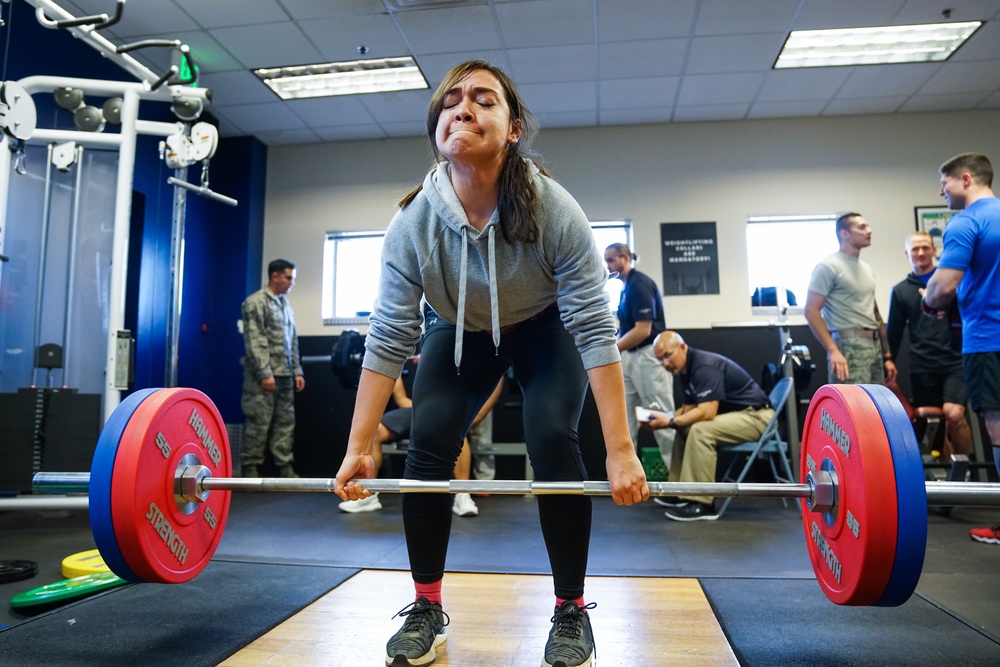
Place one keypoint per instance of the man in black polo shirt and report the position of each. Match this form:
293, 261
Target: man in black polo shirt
640, 319
722, 404
936, 377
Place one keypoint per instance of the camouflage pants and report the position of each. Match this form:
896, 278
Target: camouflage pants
269, 420
864, 361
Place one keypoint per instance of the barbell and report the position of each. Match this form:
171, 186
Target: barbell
162, 463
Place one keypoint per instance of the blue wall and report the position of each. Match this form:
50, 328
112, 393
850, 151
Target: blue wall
223, 244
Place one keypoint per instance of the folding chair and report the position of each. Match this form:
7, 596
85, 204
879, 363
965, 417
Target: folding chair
769, 445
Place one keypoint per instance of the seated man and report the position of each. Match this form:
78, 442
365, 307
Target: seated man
722, 404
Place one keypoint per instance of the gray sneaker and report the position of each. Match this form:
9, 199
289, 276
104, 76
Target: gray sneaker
422, 631
571, 640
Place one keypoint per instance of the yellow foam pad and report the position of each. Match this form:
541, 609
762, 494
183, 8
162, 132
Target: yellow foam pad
83, 563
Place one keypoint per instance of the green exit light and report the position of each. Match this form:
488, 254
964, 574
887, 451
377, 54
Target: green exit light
186, 72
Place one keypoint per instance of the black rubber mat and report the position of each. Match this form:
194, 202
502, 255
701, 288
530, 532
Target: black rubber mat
790, 622
201, 622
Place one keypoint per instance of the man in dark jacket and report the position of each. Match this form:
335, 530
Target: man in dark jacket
935, 345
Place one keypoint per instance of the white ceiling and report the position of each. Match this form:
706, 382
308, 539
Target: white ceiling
578, 63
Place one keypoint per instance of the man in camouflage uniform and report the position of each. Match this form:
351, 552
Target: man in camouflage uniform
272, 373
842, 312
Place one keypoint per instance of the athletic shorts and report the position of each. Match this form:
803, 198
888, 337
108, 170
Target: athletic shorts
982, 377
935, 388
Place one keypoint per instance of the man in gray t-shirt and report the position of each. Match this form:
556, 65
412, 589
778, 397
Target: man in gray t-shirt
842, 312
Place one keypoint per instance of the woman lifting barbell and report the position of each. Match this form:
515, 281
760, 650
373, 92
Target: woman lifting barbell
506, 259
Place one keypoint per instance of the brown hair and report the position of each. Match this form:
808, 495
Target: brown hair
977, 164
518, 198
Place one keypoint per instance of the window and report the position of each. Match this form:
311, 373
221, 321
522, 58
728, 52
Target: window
782, 251
605, 233
350, 285
351, 262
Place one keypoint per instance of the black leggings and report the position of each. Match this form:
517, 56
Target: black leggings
554, 384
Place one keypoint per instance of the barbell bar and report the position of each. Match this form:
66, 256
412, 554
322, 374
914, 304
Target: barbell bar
164, 452
938, 493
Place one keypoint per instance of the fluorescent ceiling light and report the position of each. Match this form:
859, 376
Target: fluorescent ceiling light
345, 78
874, 46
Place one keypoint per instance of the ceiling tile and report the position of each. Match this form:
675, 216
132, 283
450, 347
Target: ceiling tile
312, 9
262, 117
962, 77
567, 119
718, 89
286, 45
339, 38
802, 84
983, 45
407, 106
549, 23
284, 137
227, 128
629, 20
328, 111
559, 97
219, 13
725, 17
816, 14
642, 93
436, 66
635, 116
350, 132
553, 63
138, 18
882, 80
659, 57
412, 129
239, 87
710, 112
991, 102
449, 30
734, 53
930, 11
786, 109
864, 105
943, 102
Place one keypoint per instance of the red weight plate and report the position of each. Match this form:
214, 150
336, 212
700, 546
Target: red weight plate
851, 548
159, 541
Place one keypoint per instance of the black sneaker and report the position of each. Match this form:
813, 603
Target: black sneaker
693, 512
670, 501
423, 630
571, 641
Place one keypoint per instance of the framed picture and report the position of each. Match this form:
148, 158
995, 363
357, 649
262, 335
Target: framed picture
933, 220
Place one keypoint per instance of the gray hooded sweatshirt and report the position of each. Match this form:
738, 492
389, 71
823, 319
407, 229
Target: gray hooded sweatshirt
483, 283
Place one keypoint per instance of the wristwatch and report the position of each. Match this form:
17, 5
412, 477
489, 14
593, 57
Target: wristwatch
671, 423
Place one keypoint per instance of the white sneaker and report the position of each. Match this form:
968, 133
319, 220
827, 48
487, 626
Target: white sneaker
464, 505
369, 504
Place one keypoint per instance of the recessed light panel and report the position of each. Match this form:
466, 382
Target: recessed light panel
874, 46
351, 77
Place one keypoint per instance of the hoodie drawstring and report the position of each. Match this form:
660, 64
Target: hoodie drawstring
494, 298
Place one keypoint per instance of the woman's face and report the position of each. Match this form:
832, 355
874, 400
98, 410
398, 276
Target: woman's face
475, 124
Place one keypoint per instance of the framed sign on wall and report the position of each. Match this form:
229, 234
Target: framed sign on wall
690, 258
933, 220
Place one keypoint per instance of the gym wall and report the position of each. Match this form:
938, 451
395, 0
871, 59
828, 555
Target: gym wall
882, 166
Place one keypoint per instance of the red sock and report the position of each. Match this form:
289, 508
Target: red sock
578, 601
430, 591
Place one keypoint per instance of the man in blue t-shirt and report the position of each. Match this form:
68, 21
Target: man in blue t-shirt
722, 404
970, 269
640, 319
